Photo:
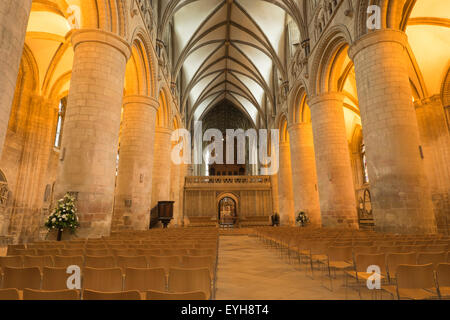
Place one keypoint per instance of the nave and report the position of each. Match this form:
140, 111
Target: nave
205, 264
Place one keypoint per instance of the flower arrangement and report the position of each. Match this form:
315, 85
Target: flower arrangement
302, 218
64, 216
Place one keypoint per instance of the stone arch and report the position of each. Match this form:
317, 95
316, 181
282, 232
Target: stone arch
298, 109
163, 115
282, 125
142, 47
231, 195
327, 55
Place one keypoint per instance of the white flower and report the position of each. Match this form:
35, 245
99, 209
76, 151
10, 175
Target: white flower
54, 219
64, 216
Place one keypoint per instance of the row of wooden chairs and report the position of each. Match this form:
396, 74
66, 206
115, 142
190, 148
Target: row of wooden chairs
30, 294
112, 279
114, 252
122, 262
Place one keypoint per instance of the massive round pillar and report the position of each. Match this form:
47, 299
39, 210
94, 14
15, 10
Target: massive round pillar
13, 26
401, 198
334, 174
285, 192
91, 127
134, 180
304, 177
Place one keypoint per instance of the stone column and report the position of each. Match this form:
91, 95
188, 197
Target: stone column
401, 199
134, 180
91, 127
13, 25
334, 174
304, 176
161, 166
285, 192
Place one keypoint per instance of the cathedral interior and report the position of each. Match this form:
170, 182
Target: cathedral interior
123, 108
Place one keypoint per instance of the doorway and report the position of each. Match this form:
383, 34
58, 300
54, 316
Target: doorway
227, 215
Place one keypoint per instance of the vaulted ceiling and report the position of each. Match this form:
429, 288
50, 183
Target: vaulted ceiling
227, 50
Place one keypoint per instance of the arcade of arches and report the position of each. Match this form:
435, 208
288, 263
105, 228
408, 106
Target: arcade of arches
91, 92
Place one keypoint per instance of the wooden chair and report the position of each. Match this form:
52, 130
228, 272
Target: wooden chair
25, 252
9, 294
99, 261
145, 279
120, 295
131, 262
393, 260
97, 252
124, 252
37, 261
12, 249
72, 252
21, 278
339, 258
443, 280
362, 263
54, 279
107, 280
11, 261
47, 252
165, 262
148, 252
189, 280
431, 257
66, 294
174, 252
416, 282
65, 261
158, 295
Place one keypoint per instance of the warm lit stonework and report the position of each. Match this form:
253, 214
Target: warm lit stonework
272, 142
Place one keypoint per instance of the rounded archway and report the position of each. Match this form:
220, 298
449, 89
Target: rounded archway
227, 209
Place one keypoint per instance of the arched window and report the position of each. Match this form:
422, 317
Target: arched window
364, 164
60, 123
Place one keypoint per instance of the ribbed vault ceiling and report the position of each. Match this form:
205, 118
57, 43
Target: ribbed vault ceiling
227, 50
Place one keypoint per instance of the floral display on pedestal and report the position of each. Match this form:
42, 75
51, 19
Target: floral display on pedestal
64, 217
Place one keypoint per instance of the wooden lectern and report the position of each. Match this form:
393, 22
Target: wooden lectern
165, 212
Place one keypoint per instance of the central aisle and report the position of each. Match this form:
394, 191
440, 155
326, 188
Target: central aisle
249, 271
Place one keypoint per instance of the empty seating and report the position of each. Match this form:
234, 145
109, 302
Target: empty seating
131, 262
431, 257
99, 261
121, 295
37, 261
72, 252
21, 278
188, 280
158, 295
29, 294
97, 252
443, 279
416, 282
108, 280
54, 278
9, 294
165, 262
145, 279
47, 252
65, 261
11, 261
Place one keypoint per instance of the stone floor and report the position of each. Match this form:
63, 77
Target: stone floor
249, 270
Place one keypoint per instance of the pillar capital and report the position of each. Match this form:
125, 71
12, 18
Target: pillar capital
101, 36
141, 99
372, 38
326, 96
